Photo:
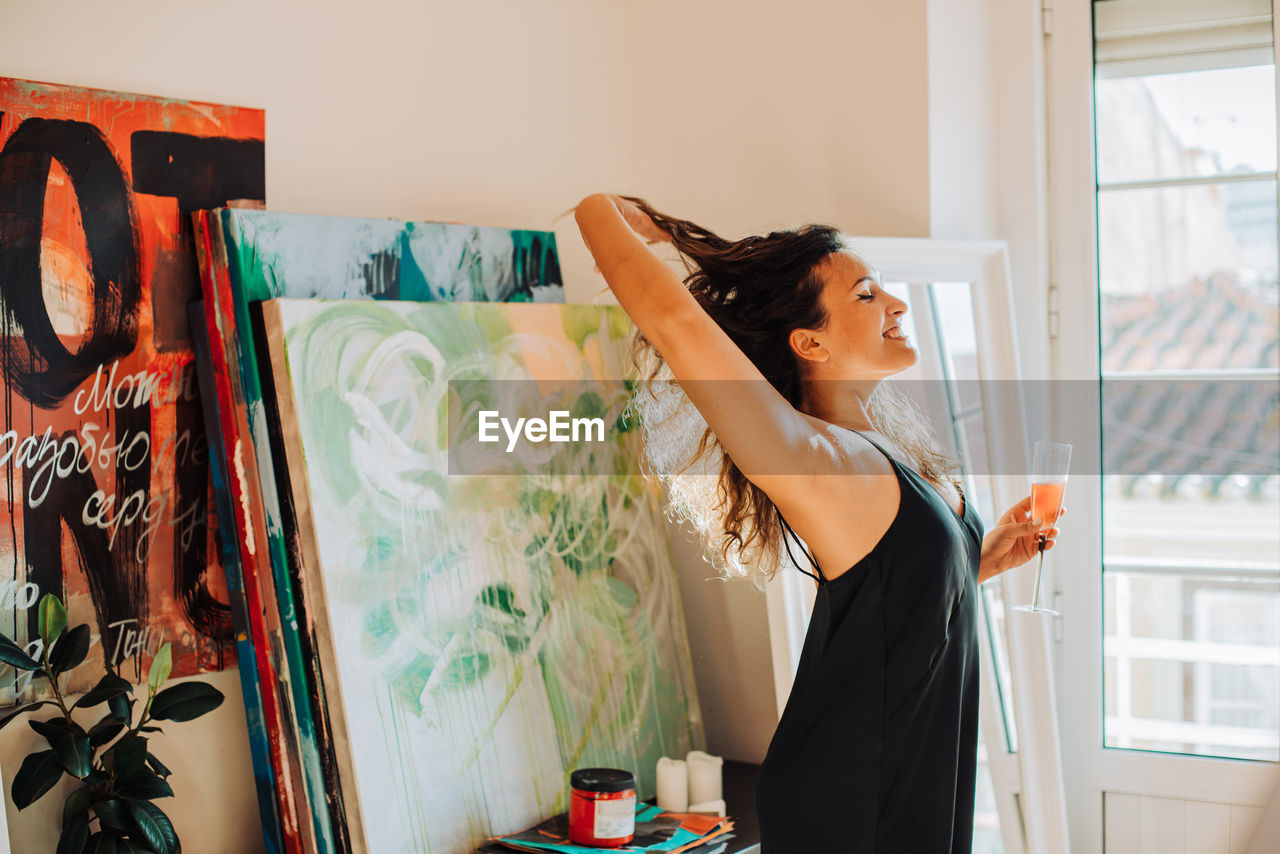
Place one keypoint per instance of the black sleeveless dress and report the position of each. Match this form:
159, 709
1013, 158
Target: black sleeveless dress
876, 750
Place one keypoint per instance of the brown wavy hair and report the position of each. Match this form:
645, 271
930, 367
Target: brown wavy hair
757, 289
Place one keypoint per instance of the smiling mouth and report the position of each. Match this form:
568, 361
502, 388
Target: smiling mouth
895, 334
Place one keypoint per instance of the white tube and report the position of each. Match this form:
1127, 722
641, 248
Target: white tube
705, 783
673, 785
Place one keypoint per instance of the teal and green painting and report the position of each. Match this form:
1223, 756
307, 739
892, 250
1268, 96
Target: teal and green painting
487, 634
301, 255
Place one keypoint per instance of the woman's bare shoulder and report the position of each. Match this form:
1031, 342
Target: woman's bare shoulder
844, 512
838, 464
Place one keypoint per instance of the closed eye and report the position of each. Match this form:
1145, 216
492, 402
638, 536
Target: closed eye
866, 296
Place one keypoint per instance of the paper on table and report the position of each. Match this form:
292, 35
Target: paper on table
656, 831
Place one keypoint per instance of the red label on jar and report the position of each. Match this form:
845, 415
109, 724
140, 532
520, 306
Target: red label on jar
602, 819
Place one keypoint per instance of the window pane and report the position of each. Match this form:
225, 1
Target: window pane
1183, 125
986, 816
1193, 662
975, 456
1192, 520
953, 307
977, 462
994, 612
1188, 285
1188, 277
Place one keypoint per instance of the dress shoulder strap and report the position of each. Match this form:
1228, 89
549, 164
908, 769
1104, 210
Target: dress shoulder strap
820, 578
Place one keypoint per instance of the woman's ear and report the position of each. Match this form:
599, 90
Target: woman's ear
805, 344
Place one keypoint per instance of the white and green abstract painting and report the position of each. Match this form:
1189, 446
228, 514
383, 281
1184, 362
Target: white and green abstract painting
487, 633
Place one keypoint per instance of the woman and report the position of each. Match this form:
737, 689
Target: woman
781, 342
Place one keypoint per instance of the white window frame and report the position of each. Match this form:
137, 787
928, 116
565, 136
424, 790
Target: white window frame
1092, 770
1028, 784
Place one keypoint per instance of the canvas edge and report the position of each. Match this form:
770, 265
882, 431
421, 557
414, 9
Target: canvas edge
309, 555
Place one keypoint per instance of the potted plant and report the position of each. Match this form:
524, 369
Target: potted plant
121, 776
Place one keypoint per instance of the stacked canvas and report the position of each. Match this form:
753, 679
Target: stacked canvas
295, 718
421, 669
247, 256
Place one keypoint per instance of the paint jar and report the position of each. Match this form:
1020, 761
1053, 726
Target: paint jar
602, 807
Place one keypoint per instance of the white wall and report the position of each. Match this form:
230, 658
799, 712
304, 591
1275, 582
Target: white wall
746, 116
988, 174
743, 116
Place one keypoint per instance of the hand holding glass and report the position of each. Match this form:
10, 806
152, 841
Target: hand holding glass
1048, 485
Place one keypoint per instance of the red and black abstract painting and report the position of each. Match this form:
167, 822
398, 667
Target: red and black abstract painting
104, 477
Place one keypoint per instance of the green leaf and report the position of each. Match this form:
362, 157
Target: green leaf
125, 845
152, 830
38, 774
77, 802
22, 710
101, 843
69, 742
158, 766
11, 653
71, 746
144, 786
52, 619
70, 649
50, 728
161, 665
114, 814
121, 706
74, 835
127, 756
110, 685
185, 702
172, 846
104, 730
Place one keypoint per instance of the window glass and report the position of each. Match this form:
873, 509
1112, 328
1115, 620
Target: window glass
1188, 277
986, 816
1195, 123
1188, 309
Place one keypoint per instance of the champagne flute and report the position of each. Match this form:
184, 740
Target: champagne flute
1048, 485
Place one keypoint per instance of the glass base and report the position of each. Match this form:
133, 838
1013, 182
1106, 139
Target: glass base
1034, 609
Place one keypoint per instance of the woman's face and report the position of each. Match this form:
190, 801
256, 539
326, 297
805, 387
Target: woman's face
862, 338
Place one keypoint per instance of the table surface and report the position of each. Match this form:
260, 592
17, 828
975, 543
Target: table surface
740, 804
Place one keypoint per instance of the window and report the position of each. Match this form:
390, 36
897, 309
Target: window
1185, 118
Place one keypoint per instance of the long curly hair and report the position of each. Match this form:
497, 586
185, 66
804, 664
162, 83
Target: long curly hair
758, 289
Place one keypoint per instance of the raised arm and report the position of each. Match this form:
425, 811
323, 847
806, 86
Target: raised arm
758, 428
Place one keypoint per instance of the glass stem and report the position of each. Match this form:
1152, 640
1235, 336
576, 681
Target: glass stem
1035, 592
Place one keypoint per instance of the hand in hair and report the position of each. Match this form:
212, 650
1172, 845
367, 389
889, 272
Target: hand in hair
641, 223
715, 373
